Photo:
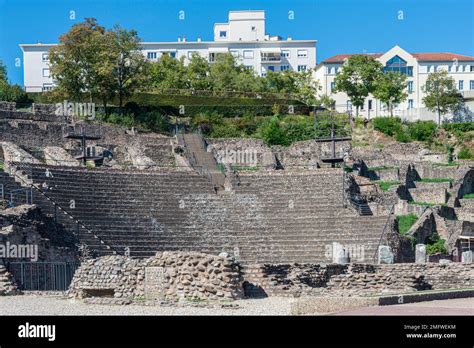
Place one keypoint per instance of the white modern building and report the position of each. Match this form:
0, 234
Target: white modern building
244, 36
417, 67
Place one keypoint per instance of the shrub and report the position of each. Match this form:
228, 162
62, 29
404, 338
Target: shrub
434, 244
465, 153
402, 136
422, 130
459, 128
272, 133
225, 131
388, 125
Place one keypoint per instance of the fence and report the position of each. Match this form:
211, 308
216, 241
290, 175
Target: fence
43, 276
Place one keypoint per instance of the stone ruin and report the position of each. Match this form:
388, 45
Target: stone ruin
167, 276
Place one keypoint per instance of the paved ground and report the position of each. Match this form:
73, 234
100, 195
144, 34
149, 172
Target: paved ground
37, 305
460, 306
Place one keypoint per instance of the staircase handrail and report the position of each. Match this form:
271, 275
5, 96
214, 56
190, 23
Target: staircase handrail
79, 223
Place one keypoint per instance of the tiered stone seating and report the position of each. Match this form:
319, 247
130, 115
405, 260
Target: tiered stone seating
271, 216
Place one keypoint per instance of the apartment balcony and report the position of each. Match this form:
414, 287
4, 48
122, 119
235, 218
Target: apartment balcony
270, 57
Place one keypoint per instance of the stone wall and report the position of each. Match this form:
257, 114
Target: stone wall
347, 280
7, 106
167, 276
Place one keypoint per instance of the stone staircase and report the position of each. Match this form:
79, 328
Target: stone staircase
199, 157
7, 285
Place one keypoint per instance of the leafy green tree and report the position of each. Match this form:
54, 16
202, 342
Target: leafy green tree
3, 71
299, 85
129, 69
357, 77
326, 101
197, 73
10, 93
75, 59
168, 72
441, 96
389, 88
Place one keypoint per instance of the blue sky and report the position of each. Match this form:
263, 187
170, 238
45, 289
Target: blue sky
340, 26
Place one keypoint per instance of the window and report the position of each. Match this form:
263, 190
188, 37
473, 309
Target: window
173, 54
223, 34
234, 53
46, 72
191, 53
460, 68
47, 87
271, 68
410, 86
285, 54
151, 55
472, 68
370, 104
302, 53
45, 57
248, 54
349, 105
461, 85
254, 28
471, 85
397, 64
249, 67
285, 67
301, 67
410, 103
333, 85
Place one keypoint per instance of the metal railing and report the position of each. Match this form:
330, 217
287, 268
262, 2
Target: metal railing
391, 211
78, 224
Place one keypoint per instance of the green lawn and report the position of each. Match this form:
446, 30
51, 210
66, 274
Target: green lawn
372, 169
450, 164
468, 196
436, 180
385, 185
426, 203
405, 222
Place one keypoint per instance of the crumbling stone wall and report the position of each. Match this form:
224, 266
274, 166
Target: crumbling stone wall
7, 284
348, 279
27, 225
168, 276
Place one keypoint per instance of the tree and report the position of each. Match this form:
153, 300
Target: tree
130, 62
75, 60
10, 93
357, 78
299, 85
389, 88
326, 101
441, 96
168, 72
197, 73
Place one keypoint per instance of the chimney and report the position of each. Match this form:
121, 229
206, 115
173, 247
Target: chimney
199, 39
184, 38
289, 38
179, 38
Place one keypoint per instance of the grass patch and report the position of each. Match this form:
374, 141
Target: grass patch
373, 169
405, 222
427, 204
385, 185
468, 196
436, 180
245, 168
450, 164
356, 143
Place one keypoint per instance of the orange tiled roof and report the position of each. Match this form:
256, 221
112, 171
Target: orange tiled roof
426, 57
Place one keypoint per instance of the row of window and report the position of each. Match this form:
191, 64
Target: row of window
410, 86
410, 105
247, 54
461, 85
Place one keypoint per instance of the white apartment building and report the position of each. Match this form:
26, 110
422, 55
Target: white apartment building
244, 36
417, 67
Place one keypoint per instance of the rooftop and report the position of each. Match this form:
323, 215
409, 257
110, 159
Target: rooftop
422, 57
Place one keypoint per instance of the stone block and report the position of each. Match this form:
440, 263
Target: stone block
385, 255
420, 253
466, 256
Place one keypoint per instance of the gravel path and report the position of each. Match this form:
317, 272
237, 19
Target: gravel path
37, 305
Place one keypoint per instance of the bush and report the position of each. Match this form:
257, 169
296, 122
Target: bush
402, 136
434, 244
465, 153
459, 128
405, 222
272, 133
422, 130
388, 125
